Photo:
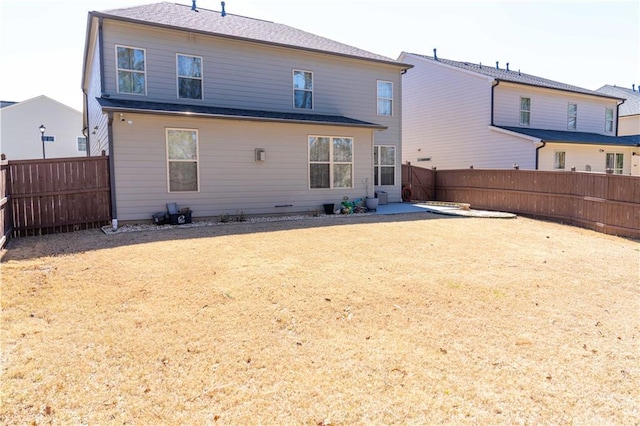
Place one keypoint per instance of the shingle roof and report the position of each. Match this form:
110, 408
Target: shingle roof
6, 103
632, 104
239, 27
122, 105
575, 137
514, 76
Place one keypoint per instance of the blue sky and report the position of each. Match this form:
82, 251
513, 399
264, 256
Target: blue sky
584, 43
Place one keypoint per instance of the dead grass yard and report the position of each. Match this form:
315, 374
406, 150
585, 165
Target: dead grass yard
405, 319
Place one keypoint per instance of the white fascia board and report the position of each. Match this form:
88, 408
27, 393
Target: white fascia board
516, 134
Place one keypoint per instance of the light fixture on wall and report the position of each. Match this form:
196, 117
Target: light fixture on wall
601, 150
260, 154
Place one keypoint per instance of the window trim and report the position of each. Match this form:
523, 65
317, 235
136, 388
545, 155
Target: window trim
78, 146
379, 98
528, 112
574, 117
197, 160
118, 69
608, 123
331, 162
378, 176
564, 160
293, 86
201, 78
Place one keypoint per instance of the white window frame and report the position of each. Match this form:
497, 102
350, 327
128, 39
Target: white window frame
331, 162
118, 69
572, 116
525, 112
608, 122
201, 78
293, 83
78, 143
169, 160
559, 160
384, 99
616, 170
377, 167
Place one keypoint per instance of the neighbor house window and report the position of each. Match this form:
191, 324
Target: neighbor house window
608, 120
385, 98
572, 116
131, 70
525, 111
384, 165
615, 162
330, 162
558, 162
81, 143
182, 160
302, 89
189, 70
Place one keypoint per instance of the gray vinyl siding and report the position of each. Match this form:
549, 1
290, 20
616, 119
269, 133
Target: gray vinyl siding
549, 108
446, 117
240, 74
230, 178
96, 118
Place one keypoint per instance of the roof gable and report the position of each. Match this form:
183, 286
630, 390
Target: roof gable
631, 106
238, 27
512, 76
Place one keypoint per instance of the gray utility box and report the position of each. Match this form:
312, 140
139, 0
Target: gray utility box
382, 197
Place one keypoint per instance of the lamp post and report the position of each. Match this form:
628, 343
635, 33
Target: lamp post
42, 130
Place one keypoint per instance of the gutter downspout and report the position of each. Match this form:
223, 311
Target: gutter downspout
618, 115
493, 86
112, 174
538, 152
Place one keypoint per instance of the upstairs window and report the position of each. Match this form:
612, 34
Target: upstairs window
131, 70
302, 89
525, 111
614, 162
81, 143
558, 162
182, 160
330, 162
572, 117
608, 120
385, 98
384, 165
189, 70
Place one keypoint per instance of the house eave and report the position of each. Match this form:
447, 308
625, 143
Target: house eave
402, 66
119, 106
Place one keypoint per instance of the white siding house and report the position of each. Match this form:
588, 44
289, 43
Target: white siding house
224, 113
458, 115
20, 135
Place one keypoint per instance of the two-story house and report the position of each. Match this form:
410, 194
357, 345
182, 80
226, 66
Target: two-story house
40, 127
225, 113
629, 113
460, 114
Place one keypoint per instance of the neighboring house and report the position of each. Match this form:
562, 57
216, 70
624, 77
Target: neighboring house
459, 114
629, 118
20, 136
224, 113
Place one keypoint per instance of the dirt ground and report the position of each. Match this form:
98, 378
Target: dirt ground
403, 319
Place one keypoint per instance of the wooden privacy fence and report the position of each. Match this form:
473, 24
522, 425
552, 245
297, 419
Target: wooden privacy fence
58, 195
604, 202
